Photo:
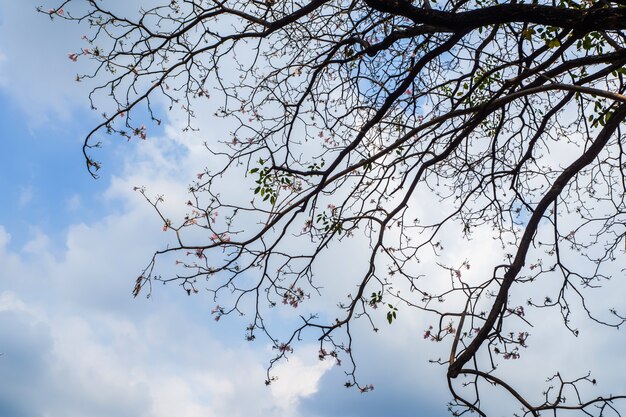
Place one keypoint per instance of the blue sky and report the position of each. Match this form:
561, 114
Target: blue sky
73, 340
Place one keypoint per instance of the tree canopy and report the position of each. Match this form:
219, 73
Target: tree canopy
405, 124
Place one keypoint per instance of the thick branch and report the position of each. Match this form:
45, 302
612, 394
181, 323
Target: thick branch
509, 277
609, 18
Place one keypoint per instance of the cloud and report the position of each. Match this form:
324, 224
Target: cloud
73, 202
396, 358
298, 378
25, 197
43, 95
3, 80
25, 357
75, 343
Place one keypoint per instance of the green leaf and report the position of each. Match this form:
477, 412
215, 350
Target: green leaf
553, 43
528, 33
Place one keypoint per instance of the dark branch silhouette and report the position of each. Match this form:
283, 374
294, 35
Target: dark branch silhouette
348, 118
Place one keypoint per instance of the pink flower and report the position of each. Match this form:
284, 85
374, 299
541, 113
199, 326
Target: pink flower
72, 56
218, 311
220, 238
428, 333
285, 348
141, 132
366, 388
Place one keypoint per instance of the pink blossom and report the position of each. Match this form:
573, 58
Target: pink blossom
285, 348
72, 56
366, 388
140, 131
428, 333
220, 238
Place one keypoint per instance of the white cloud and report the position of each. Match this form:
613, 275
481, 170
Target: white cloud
45, 95
73, 203
25, 197
3, 79
5, 237
298, 378
102, 353
162, 357
145, 359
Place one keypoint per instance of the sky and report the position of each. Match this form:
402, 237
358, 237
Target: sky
73, 341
